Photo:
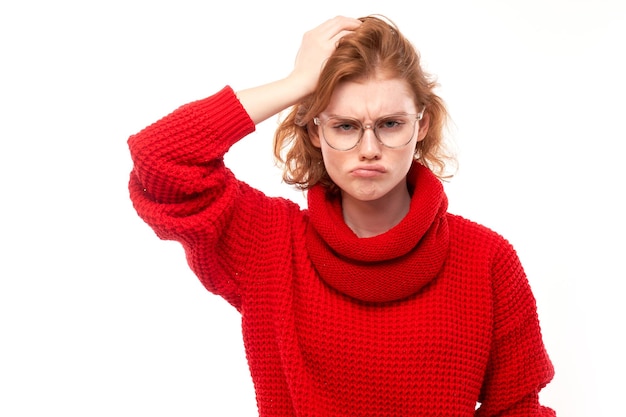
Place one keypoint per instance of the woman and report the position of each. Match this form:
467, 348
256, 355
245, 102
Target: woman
374, 301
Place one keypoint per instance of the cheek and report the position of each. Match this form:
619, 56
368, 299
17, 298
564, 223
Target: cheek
332, 161
327, 156
406, 159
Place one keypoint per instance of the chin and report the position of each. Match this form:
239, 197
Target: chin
366, 195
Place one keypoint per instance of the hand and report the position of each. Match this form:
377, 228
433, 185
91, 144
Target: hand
317, 45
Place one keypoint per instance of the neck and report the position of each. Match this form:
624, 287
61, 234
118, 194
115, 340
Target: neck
372, 218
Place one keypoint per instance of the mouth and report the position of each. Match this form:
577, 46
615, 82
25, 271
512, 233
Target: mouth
368, 171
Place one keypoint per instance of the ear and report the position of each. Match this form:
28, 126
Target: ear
424, 124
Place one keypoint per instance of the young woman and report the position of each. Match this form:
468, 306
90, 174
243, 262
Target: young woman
374, 301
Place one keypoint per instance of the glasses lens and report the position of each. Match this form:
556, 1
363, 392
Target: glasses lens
342, 134
396, 130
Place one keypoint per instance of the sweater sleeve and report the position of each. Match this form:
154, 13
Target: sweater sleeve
180, 187
519, 366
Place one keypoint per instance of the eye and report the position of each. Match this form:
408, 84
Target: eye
345, 126
391, 123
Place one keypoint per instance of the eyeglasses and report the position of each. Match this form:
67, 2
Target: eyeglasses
393, 131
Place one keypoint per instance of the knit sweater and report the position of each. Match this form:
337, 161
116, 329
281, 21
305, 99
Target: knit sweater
433, 318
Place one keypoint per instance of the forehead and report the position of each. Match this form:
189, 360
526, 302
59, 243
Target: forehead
371, 98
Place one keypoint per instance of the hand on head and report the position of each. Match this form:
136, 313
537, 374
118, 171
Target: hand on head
317, 45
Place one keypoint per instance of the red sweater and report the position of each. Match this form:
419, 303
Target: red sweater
428, 319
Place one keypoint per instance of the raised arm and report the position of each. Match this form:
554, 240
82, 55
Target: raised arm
180, 186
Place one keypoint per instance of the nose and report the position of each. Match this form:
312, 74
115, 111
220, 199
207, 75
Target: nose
369, 147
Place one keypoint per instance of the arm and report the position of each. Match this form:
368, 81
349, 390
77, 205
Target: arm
182, 190
519, 366
180, 186
184, 144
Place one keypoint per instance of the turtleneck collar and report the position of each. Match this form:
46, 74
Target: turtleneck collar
389, 266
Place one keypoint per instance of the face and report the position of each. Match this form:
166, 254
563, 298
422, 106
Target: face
370, 171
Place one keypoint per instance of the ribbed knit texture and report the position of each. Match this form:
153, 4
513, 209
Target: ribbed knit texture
463, 329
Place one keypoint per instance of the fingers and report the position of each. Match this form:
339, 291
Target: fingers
335, 40
324, 38
317, 45
338, 26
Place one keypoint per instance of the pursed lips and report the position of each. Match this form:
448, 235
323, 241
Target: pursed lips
368, 170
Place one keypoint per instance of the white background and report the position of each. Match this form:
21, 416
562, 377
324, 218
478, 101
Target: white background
98, 317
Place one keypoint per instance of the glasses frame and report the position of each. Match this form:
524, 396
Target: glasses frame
417, 117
